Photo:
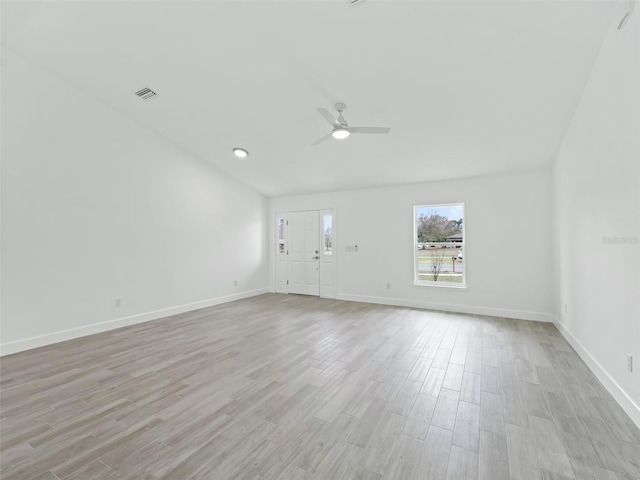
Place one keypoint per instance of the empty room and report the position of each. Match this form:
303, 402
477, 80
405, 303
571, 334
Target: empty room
320, 240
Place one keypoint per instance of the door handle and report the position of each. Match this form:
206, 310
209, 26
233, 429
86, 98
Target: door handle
315, 258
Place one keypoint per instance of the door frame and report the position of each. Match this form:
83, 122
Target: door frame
327, 262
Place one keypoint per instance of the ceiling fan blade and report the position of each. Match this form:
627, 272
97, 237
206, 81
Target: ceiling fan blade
369, 129
328, 117
322, 139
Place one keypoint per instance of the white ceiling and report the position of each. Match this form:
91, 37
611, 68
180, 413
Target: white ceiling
468, 88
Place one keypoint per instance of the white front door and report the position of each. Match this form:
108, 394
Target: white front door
303, 258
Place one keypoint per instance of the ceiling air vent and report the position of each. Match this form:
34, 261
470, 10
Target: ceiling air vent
146, 93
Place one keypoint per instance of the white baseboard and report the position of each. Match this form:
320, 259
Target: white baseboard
450, 307
63, 335
617, 392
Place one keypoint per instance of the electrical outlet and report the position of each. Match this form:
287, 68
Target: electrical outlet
117, 302
388, 286
235, 283
630, 362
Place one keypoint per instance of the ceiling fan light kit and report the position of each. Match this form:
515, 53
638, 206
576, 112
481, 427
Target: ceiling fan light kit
341, 128
340, 133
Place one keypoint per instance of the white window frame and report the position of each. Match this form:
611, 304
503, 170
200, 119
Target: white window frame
328, 263
280, 259
431, 283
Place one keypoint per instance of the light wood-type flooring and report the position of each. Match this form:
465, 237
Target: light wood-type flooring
292, 387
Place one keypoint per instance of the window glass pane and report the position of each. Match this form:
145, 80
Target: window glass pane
281, 236
439, 244
328, 237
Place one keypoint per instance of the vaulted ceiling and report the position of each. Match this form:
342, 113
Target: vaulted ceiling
469, 88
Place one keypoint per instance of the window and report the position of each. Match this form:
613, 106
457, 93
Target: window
439, 245
280, 226
328, 236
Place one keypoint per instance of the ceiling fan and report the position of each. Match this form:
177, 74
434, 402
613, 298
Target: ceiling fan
341, 128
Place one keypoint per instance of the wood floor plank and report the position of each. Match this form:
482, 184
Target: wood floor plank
471, 388
493, 460
403, 404
434, 460
466, 433
463, 464
491, 413
444, 415
330, 411
551, 453
473, 362
453, 377
523, 464
514, 406
433, 381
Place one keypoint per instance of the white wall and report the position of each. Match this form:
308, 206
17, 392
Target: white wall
505, 277
95, 207
596, 186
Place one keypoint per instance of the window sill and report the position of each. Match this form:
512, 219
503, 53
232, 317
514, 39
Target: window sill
441, 285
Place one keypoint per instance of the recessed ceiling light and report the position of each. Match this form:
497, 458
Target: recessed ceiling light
340, 133
240, 152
